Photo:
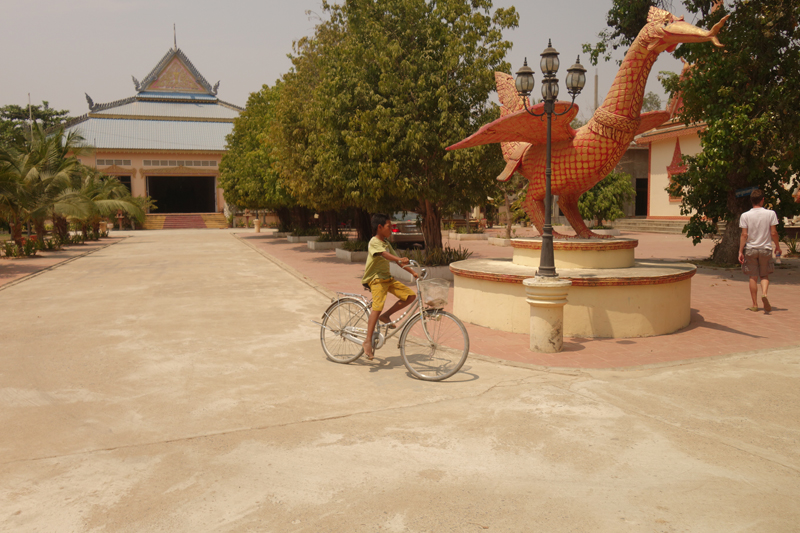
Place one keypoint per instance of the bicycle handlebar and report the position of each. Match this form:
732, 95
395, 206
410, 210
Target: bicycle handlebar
424, 270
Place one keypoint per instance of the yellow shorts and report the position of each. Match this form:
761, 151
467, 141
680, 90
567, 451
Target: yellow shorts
381, 287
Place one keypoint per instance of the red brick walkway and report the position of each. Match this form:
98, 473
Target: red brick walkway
720, 323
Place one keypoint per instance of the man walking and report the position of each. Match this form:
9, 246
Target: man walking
756, 245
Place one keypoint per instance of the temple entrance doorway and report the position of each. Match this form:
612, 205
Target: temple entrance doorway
182, 194
641, 197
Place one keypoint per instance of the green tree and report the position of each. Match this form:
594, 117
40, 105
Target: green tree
103, 197
651, 102
14, 120
41, 178
308, 132
604, 201
381, 90
248, 173
624, 20
37, 172
430, 72
746, 96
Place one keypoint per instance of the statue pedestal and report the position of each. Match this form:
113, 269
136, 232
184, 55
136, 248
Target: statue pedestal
547, 298
611, 296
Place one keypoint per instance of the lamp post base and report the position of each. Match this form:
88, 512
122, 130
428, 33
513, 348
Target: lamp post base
547, 298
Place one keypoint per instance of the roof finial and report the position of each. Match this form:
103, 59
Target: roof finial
175, 36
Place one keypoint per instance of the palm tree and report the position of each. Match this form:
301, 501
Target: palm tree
103, 197
9, 196
36, 174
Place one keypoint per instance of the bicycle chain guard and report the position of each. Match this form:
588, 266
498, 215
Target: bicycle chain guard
378, 339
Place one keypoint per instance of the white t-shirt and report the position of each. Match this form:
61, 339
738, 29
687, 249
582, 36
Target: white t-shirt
758, 222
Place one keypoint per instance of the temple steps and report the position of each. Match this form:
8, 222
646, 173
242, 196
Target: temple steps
215, 220
643, 225
186, 221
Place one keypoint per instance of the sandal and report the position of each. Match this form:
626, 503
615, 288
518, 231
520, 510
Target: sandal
754, 309
767, 307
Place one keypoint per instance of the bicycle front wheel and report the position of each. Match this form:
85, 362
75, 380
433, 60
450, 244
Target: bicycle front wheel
439, 354
344, 329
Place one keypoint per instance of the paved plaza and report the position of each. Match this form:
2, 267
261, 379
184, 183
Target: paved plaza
174, 381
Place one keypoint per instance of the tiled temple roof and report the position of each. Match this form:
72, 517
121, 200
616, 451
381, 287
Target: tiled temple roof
186, 115
150, 78
163, 110
125, 134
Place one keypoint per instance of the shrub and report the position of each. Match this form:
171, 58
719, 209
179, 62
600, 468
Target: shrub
355, 246
307, 232
437, 256
470, 229
791, 243
29, 247
326, 237
51, 244
10, 249
605, 200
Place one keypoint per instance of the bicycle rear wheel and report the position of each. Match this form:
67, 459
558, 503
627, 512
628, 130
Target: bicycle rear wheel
344, 328
440, 356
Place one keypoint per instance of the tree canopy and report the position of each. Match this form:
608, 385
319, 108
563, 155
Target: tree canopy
605, 201
247, 171
651, 102
14, 120
377, 94
747, 97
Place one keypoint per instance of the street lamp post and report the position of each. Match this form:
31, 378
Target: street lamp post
576, 79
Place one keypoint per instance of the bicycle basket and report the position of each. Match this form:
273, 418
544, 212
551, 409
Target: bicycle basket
434, 292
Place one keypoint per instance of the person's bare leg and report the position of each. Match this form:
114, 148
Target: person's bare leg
754, 290
764, 289
373, 320
386, 317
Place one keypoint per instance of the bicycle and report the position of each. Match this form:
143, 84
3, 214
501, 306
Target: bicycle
434, 344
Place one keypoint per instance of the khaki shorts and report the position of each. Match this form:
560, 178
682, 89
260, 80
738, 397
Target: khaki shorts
381, 287
758, 262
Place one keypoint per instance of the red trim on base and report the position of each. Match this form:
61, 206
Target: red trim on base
599, 246
578, 281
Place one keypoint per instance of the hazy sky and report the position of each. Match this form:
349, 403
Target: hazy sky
57, 50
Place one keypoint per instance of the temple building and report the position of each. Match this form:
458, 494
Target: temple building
668, 143
167, 140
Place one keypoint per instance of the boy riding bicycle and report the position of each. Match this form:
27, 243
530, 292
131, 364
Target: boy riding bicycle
378, 279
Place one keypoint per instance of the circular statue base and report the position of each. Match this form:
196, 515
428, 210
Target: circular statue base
641, 300
578, 253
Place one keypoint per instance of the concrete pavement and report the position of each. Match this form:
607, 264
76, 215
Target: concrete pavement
720, 323
174, 382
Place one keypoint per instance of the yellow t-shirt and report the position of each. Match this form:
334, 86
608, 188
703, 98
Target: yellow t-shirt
377, 266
